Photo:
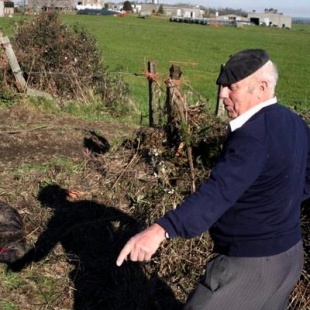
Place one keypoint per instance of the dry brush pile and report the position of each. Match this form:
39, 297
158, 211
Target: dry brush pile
64, 62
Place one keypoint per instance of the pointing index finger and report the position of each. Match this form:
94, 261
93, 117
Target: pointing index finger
123, 254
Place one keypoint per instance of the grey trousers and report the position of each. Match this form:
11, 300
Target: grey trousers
256, 283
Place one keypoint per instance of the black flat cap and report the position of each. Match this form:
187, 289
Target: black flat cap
241, 65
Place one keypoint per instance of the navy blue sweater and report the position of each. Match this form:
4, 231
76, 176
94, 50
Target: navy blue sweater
251, 202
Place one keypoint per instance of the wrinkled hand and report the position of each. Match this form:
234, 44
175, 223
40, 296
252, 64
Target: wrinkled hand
142, 246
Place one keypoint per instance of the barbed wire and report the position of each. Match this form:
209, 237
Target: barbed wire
142, 74
285, 96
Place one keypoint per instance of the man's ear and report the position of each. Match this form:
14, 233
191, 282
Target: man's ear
263, 85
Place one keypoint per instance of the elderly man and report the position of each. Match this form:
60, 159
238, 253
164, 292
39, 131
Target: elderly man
251, 202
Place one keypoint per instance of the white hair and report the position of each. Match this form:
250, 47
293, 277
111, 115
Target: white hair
269, 73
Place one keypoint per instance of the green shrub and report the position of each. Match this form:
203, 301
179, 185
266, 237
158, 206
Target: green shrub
65, 62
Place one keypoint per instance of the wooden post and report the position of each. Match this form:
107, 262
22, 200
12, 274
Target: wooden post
151, 68
220, 110
174, 76
177, 121
20, 81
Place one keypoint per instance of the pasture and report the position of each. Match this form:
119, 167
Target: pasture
129, 42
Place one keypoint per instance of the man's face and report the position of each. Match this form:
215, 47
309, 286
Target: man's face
239, 97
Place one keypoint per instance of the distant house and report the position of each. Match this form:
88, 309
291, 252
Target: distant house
1, 8
6, 8
183, 11
186, 11
145, 8
89, 4
271, 19
230, 19
46, 4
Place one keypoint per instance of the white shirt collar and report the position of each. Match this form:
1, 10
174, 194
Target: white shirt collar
243, 118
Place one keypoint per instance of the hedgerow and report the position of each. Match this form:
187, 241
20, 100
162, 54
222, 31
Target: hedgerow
64, 62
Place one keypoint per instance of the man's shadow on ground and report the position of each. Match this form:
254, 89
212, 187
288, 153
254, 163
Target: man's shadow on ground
92, 236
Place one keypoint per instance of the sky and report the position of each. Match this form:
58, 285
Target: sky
294, 8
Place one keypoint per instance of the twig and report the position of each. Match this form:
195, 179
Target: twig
131, 161
23, 130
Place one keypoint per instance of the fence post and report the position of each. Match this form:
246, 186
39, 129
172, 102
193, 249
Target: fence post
219, 102
174, 76
20, 81
220, 110
177, 120
151, 68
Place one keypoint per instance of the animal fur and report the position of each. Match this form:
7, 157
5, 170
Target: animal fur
12, 236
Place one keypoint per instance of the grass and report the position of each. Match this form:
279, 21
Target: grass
7, 305
128, 43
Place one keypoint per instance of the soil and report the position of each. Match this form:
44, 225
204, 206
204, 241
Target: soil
29, 136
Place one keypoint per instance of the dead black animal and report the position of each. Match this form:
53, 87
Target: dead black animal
12, 236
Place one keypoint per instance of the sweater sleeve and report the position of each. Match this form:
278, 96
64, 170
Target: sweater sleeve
307, 183
239, 165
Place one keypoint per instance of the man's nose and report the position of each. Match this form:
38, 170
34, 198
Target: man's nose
223, 92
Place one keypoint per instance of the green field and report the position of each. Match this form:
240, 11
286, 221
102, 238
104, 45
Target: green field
128, 43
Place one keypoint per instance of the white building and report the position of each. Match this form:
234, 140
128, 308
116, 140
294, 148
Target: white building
1, 8
271, 19
6, 8
90, 4
183, 11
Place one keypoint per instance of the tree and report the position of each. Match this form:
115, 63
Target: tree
127, 6
161, 9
